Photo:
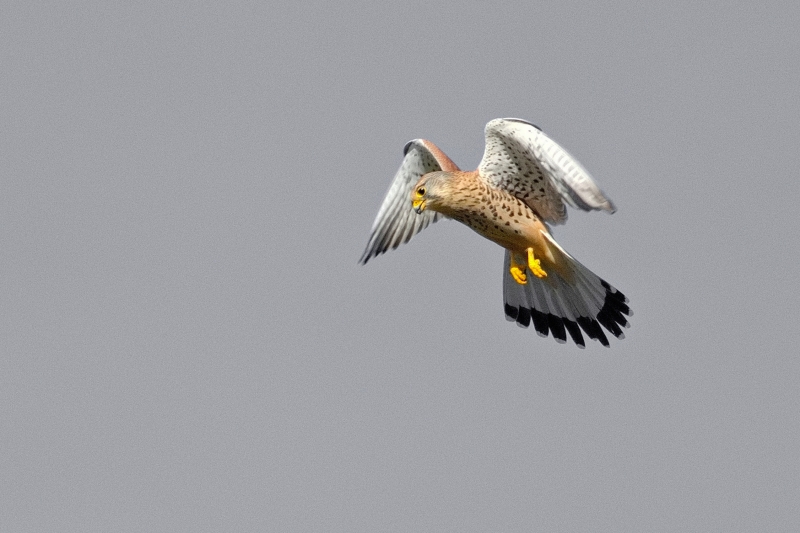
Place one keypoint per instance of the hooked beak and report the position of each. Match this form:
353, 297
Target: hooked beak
418, 205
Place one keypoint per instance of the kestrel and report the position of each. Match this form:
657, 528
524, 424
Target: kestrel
523, 183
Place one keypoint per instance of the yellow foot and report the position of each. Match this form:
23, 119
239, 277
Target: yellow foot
535, 265
517, 269
518, 275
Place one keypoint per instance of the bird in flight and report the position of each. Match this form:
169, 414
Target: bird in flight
523, 183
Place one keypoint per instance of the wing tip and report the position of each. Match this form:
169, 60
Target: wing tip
367, 255
521, 121
409, 144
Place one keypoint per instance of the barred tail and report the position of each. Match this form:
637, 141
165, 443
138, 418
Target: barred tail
557, 305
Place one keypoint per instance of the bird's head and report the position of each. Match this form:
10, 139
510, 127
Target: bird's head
430, 191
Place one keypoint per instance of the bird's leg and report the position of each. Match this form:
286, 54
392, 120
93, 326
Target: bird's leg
535, 265
517, 269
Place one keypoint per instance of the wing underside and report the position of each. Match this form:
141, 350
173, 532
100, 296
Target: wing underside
396, 222
523, 160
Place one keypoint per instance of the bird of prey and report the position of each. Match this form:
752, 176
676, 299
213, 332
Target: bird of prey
523, 183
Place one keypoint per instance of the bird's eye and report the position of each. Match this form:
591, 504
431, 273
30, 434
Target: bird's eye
421, 191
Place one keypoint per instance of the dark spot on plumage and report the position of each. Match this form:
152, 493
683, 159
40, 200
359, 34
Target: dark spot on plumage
592, 329
557, 327
615, 301
609, 324
524, 317
621, 307
540, 322
613, 292
611, 314
574, 332
511, 311
615, 315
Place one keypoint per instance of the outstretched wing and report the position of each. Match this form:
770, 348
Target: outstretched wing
397, 222
521, 159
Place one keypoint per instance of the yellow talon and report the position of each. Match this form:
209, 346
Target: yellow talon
535, 265
517, 269
518, 275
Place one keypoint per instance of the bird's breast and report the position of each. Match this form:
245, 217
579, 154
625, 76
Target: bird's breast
498, 216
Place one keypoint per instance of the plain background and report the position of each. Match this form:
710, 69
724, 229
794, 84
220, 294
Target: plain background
189, 344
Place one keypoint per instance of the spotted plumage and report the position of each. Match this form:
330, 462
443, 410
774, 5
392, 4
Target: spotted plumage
524, 181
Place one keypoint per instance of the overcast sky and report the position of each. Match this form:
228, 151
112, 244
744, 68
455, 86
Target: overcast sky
187, 342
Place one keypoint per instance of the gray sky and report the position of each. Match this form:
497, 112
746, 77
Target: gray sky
188, 343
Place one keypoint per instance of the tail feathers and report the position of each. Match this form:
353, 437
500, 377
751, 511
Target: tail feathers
564, 307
